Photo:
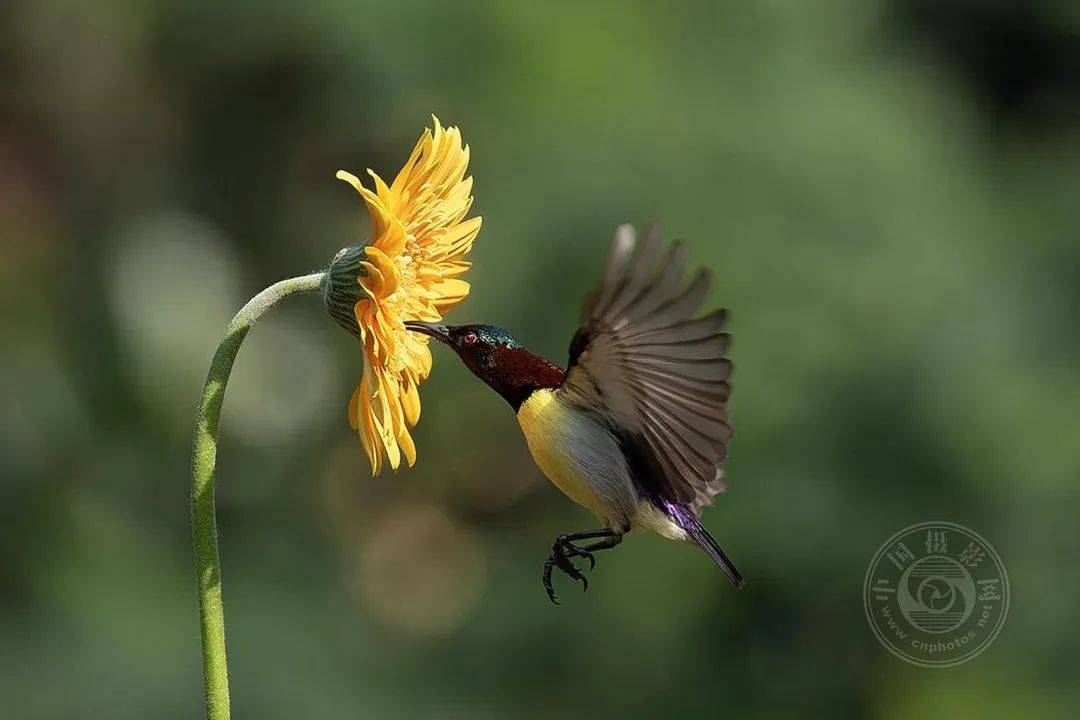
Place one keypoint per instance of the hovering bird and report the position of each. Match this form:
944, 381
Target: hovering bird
636, 426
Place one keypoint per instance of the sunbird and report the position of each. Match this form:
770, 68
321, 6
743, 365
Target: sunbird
636, 427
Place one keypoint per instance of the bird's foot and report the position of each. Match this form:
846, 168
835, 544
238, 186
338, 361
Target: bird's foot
561, 552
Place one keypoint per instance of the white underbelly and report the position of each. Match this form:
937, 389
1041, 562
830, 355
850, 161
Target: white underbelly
579, 456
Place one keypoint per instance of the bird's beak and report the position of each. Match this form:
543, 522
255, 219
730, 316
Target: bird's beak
439, 332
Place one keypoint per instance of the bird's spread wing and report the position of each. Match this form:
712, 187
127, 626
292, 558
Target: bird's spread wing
657, 372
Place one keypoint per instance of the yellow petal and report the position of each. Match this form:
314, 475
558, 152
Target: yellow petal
408, 447
387, 270
392, 241
380, 187
372, 279
451, 292
354, 406
458, 240
350, 178
410, 402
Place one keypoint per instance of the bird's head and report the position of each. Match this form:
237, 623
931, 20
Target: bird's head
494, 356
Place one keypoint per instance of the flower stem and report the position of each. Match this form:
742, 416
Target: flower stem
203, 510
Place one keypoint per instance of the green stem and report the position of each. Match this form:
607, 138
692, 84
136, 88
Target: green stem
203, 510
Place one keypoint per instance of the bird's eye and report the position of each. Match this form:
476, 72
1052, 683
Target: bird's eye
469, 338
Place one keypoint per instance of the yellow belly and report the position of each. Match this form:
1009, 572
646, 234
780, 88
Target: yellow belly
548, 427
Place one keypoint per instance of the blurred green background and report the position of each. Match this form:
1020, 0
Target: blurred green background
886, 191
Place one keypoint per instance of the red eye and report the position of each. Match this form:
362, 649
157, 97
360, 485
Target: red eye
469, 339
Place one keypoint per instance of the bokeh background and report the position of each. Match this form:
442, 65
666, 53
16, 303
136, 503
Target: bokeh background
886, 192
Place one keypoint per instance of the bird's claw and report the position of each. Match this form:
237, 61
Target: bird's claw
564, 545
561, 552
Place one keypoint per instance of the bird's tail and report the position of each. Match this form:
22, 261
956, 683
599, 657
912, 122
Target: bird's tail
688, 521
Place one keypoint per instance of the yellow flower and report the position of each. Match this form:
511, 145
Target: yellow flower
409, 271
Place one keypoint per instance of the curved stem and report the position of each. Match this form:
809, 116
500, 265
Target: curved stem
203, 510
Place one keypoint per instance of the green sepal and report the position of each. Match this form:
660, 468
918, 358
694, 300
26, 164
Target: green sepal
343, 289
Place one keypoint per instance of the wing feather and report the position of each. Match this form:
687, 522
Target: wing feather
658, 373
